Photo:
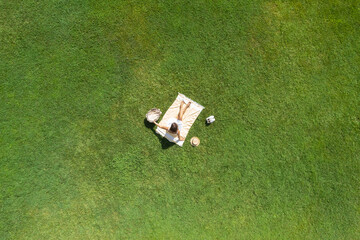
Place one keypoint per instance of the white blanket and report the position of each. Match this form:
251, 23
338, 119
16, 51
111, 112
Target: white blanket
189, 118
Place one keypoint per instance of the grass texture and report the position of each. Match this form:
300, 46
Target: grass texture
77, 160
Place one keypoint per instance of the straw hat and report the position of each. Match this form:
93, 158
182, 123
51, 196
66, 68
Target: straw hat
195, 141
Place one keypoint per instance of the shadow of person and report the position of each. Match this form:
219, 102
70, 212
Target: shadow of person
165, 144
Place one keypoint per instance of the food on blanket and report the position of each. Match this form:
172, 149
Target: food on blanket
153, 115
195, 141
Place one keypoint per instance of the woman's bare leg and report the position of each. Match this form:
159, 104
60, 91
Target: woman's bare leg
183, 109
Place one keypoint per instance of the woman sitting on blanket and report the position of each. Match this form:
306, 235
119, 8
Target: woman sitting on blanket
174, 125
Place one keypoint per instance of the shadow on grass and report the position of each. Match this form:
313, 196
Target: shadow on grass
165, 144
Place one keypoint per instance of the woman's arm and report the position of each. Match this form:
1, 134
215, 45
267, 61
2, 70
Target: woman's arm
160, 126
179, 136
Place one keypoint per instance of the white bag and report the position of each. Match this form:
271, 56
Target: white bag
210, 119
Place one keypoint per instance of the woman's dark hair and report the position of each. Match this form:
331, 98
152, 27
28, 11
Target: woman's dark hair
173, 128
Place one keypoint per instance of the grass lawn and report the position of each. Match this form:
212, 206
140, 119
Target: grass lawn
282, 160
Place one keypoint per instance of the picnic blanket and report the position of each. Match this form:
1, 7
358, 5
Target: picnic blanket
189, 118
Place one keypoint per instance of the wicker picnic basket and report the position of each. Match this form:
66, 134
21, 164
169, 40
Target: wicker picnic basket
153, 115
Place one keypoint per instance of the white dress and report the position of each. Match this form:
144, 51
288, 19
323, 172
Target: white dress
174, 120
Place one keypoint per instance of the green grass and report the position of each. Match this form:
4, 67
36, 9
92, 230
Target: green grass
280, 162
